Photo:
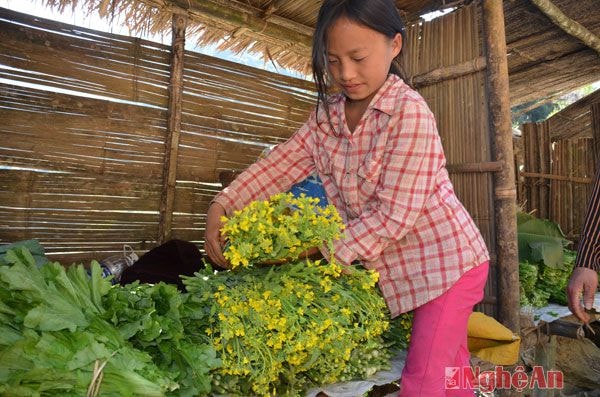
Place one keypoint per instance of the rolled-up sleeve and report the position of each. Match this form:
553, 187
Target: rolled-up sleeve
286, 164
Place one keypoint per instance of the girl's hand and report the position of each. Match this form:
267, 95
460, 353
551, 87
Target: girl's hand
213, 240
311, 253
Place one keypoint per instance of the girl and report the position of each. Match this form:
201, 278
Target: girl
377, 150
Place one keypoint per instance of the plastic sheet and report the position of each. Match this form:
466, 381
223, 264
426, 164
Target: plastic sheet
552, 311
360, 387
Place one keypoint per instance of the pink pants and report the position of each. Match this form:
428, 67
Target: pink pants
439, 338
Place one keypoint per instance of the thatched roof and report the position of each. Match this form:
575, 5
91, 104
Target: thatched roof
544, 60
576, 120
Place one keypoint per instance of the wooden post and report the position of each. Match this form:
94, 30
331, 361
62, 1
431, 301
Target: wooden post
505, 193
173, 128
544, 168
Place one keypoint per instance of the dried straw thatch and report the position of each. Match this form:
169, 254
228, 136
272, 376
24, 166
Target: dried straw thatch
547, 56
279, 30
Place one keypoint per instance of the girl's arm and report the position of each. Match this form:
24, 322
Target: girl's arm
288, 163
285, 165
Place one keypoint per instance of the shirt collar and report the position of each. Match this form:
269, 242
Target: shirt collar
384, 99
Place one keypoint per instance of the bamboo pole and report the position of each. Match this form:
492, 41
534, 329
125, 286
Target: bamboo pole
449, 72
534, 134
538, 175
570, 198
544, 168
487, 166
567, 24
173, 128
505, 191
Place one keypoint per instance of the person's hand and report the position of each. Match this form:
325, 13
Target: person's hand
583, 280
311, 253
213, 240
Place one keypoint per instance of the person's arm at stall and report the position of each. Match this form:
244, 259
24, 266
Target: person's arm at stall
584, 279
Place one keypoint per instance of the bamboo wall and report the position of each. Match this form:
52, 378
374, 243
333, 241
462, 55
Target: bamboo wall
85, 174
81, 160
559, 162
459, 102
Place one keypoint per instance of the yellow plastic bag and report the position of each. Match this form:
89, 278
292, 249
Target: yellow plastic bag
491, 341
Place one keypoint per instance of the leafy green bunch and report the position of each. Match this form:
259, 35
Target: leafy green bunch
280, 228
152, 317
281, 329
545, 262
53, 339
64, 332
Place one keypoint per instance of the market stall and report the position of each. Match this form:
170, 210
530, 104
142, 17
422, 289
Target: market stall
113, 140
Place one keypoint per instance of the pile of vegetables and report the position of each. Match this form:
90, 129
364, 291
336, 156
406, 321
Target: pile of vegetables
66, 333
254, 330
545, 262
282, 328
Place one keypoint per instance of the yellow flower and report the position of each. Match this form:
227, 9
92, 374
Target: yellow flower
239, 332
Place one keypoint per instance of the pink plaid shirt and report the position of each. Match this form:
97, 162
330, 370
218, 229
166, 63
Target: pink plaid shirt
387, 179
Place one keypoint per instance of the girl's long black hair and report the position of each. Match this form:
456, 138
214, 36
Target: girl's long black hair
379, 15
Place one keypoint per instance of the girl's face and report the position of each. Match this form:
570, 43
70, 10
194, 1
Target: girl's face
359, 58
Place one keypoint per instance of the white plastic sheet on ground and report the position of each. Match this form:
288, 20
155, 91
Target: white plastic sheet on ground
360, 387
553, 311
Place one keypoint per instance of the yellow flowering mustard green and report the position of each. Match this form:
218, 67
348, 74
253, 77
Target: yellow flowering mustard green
280, 329
281, 227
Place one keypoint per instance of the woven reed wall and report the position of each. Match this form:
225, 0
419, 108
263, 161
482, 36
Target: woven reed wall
561, 155
84, 174
103, 159
460, 107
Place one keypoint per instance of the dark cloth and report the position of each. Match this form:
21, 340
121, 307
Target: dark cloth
588, 253
165, 263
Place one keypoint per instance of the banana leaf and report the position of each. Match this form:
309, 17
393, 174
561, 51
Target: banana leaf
540, 240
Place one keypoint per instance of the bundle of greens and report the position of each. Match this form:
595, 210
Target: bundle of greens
529, 294
280, 228
279, 329
554, 280
545, 263
153, 319
61, 335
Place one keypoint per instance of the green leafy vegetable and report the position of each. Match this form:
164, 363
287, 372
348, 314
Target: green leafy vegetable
55, 330
545, 263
